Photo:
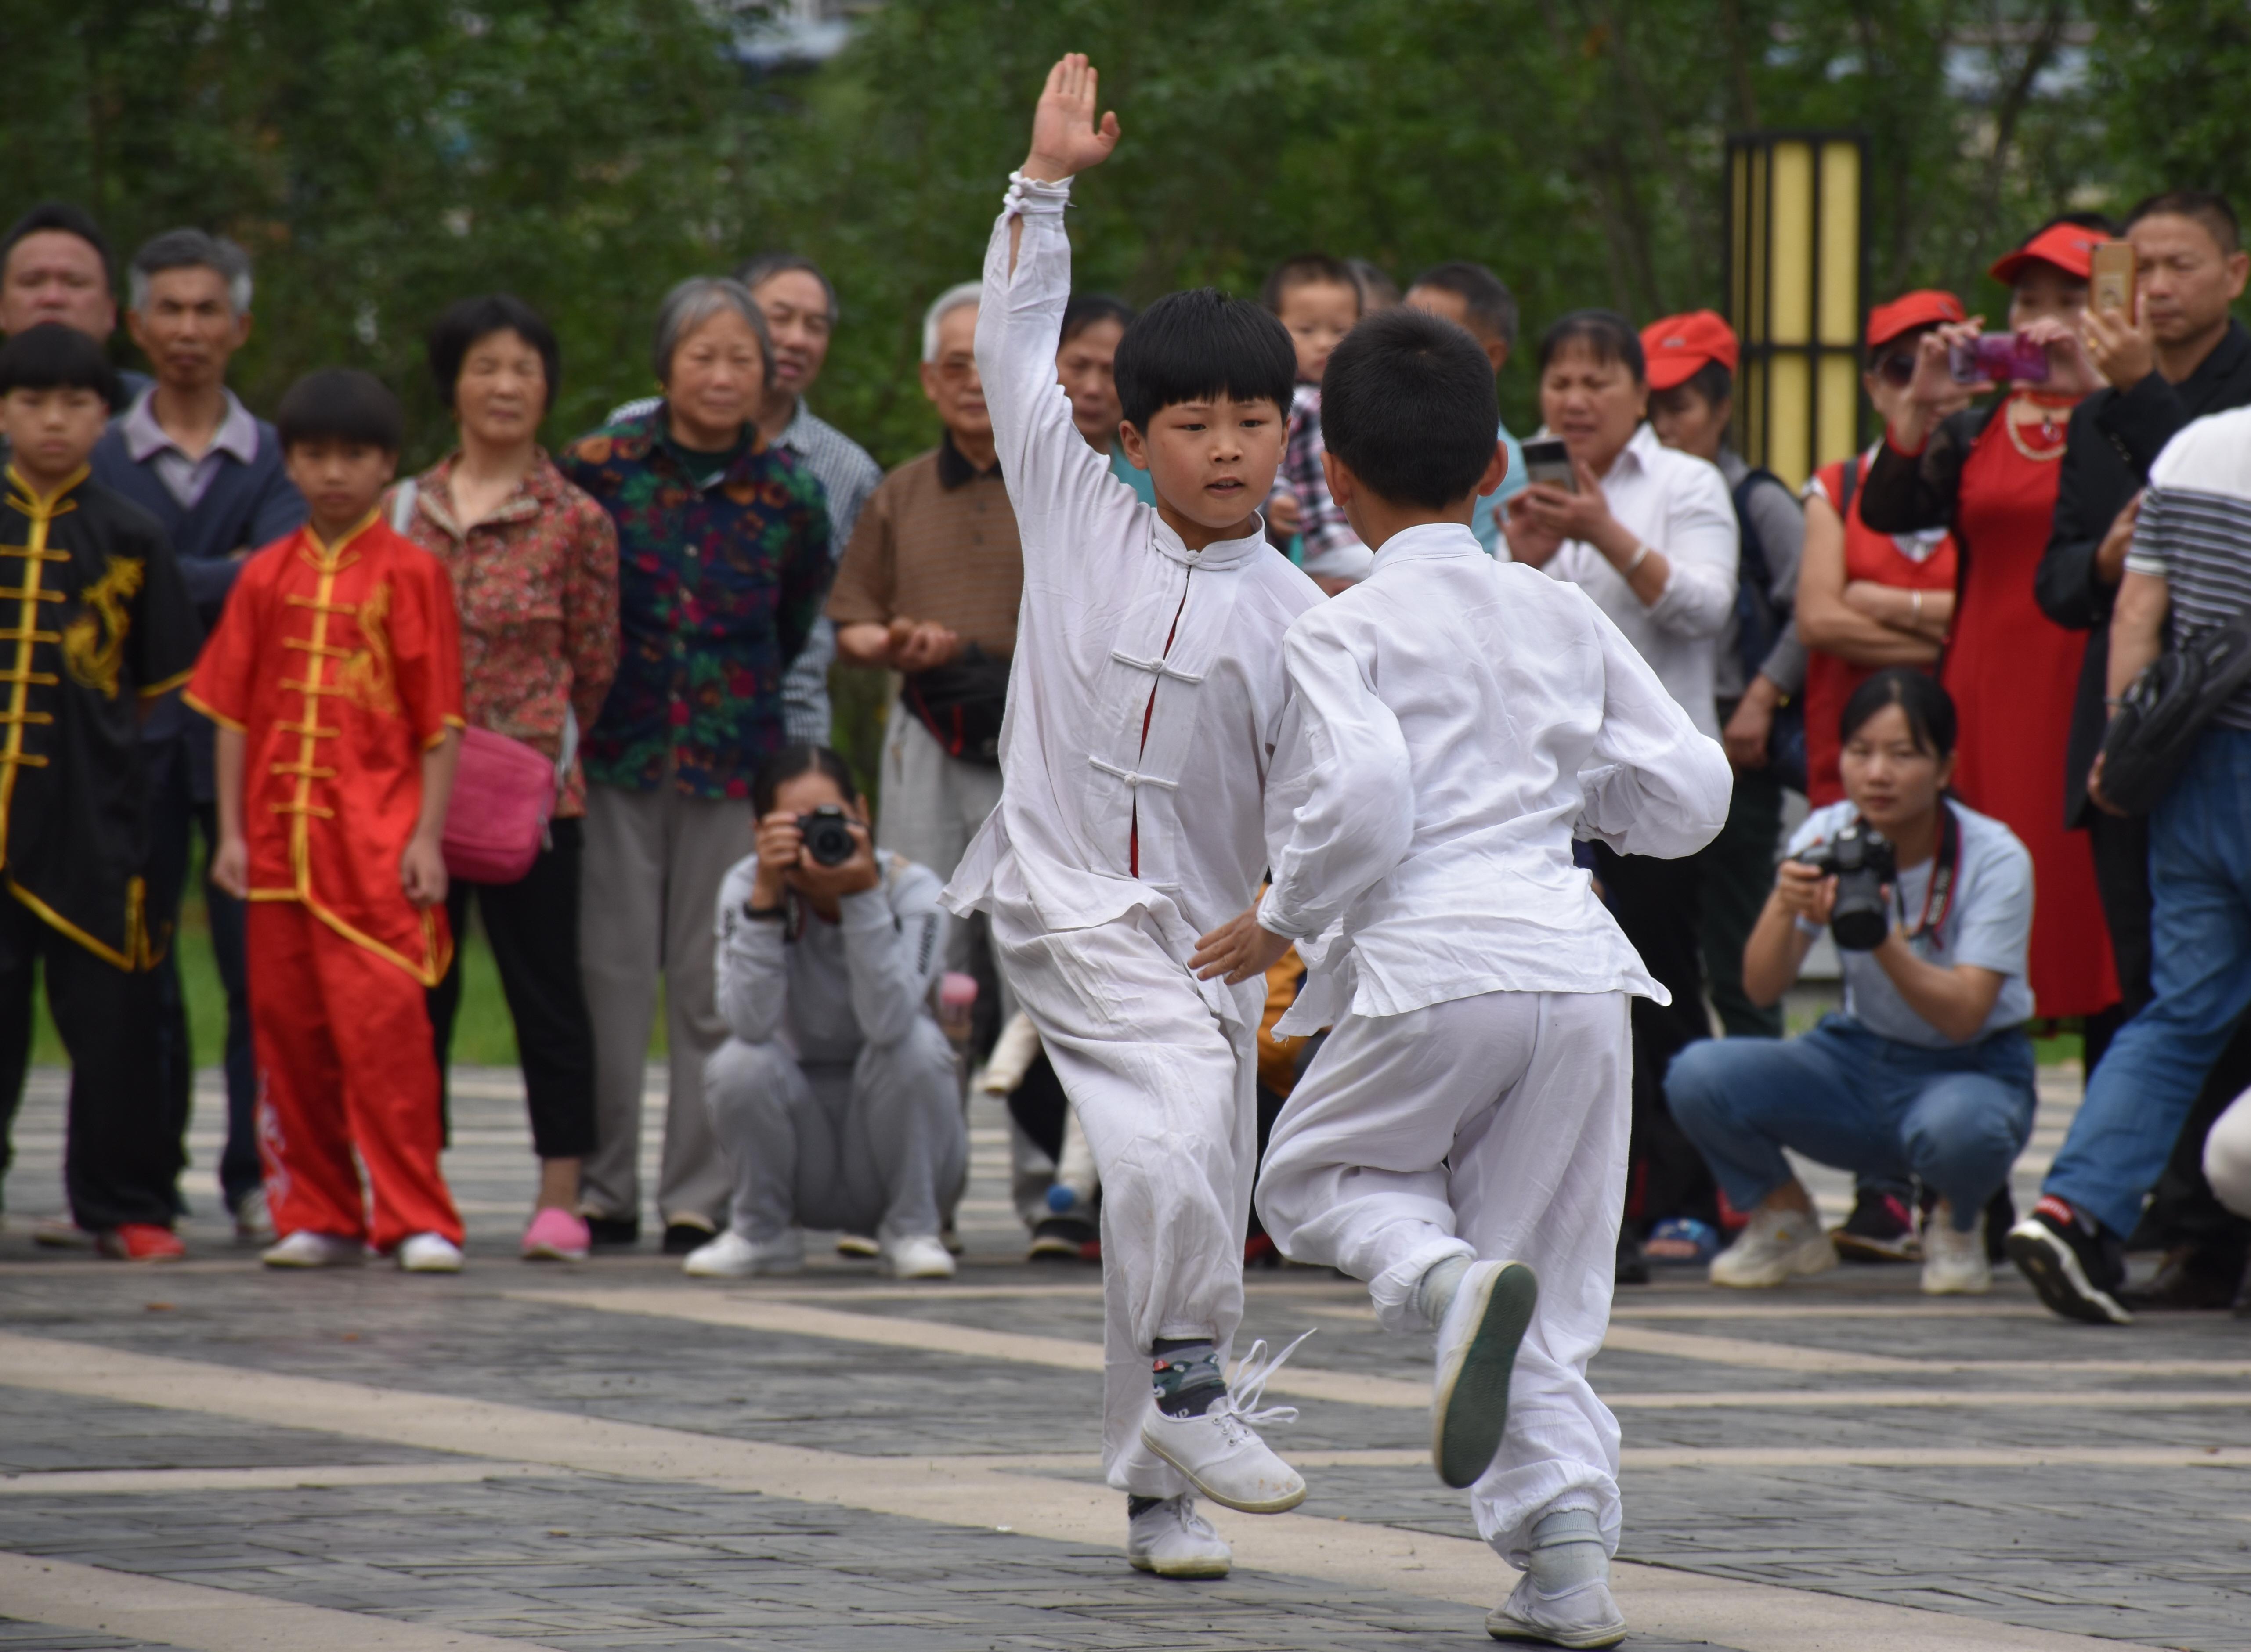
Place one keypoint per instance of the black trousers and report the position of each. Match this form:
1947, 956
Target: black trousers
1737, 868
121, 1153
173, 813
533, 927
2182, 1210
1659, 905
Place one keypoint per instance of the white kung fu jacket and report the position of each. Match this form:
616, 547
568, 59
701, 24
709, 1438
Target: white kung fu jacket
1122, 627
1454, 723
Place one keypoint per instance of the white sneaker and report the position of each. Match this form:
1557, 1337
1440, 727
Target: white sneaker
1777, 1245
1477, 1352
732, 1256
429, 1253
1954, 1264
1585, 1616
253, 1223
1173, 1541
1221, 1453
917, 1256
306, 1249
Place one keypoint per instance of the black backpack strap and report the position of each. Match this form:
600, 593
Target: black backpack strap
1758, 615
1848, 484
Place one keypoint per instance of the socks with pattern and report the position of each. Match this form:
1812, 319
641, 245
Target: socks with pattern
1185, 1371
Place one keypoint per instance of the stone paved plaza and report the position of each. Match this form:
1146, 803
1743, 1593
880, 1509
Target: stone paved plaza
208, 1456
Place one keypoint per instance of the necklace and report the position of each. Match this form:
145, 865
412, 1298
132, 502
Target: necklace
2035, 428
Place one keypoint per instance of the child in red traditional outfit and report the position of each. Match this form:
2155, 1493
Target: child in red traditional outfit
335, 679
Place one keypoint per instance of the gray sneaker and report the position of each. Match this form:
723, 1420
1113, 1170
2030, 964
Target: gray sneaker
1585, 1616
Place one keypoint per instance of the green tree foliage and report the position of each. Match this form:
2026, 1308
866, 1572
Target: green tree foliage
381, 158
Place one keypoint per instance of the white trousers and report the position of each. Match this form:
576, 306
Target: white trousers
1165, 1092
1496, 1126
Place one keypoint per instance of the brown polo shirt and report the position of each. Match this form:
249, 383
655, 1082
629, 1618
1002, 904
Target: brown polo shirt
936, 543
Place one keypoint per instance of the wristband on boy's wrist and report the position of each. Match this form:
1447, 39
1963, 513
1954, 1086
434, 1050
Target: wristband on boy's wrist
1639, 556
774, 912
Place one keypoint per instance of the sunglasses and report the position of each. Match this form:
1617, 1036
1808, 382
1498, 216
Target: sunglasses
1896, 368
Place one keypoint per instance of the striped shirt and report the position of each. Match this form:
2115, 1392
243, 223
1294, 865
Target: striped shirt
2194, 532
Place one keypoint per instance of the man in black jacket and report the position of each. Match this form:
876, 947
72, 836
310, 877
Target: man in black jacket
2177, 357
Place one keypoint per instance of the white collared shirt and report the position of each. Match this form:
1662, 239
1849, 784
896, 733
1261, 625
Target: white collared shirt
1121, 622
186, 479
1454, 723
1677, 505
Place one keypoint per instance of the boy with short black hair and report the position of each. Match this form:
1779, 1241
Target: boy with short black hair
1318, 301
99, 624
1146, 699
335, 678
1461, 1140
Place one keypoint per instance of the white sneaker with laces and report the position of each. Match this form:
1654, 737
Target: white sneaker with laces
429, 1253
1779, 1245
1221, 1453
306, 1249
253, 1223
917, 1256
732, 1256
1585, 1617
1173, 1541
1954, 1264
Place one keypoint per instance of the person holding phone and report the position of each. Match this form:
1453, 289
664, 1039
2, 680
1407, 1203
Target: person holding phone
1989, 474
1650, 534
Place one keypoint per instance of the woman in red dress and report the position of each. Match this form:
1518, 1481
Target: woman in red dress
1989, 473
1868, 600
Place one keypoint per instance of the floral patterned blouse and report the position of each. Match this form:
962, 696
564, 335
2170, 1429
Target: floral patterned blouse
536, 582
721, 577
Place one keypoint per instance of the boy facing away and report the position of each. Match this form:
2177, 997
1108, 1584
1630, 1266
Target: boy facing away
1460, 1142
1147, 693
99, 626
335, 677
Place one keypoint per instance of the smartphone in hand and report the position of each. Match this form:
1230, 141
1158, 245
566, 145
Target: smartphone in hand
2111, 281
1997, 357
1550, 462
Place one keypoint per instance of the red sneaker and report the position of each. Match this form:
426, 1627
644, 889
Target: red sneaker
141, 1242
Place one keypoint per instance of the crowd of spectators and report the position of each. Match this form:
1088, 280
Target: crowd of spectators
1924, 643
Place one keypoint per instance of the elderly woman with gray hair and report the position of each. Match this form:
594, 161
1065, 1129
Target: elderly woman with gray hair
723, 545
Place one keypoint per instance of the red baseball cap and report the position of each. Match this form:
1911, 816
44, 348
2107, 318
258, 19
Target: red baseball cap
1926, 307
1677, 345
2070, 247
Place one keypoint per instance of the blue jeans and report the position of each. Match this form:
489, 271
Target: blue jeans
2200, 946
1955, 1117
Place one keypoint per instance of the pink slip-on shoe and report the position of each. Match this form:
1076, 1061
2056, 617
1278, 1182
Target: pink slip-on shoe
556, 1236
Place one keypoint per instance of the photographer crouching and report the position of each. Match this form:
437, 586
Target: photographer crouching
1928, 1070
835, 1100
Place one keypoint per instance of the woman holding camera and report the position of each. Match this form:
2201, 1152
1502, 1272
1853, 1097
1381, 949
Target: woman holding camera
1989, 473
835, 1099
1928, 1071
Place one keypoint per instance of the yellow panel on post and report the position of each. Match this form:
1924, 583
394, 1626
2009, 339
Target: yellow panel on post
1795, 281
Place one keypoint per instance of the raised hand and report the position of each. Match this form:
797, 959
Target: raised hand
1065, 139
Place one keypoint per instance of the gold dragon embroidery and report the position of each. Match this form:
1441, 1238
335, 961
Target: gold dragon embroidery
367, 676
93, 644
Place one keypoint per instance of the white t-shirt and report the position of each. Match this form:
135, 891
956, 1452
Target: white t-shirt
1989, 923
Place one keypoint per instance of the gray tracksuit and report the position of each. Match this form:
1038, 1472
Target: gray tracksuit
835, 1101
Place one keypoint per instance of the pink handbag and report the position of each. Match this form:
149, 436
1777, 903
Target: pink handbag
503, 794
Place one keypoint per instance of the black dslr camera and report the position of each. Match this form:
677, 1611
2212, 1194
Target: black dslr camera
827, 834
1861, 861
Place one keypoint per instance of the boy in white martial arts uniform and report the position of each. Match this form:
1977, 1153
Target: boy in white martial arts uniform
1460, 1142
1147, 692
